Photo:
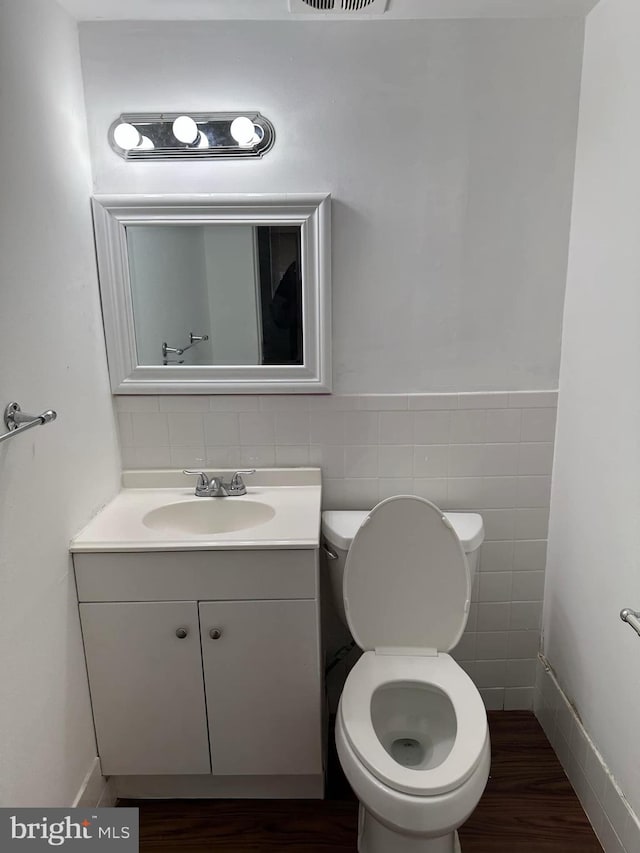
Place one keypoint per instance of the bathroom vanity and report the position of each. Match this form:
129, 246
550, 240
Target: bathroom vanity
200, 619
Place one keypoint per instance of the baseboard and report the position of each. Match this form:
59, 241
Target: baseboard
613, 820
95, 791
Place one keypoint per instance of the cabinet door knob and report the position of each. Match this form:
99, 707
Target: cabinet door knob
181, 633
215, 633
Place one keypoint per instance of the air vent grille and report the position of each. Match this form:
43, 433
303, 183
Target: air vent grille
321, 5
337, 8
355, 5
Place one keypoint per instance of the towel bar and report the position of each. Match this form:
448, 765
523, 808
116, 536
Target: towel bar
17, 421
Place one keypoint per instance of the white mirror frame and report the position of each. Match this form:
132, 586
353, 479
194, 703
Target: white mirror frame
113, 213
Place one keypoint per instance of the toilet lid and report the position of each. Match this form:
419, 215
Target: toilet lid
406, 579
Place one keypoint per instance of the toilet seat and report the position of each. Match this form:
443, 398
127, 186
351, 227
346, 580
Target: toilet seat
374, 671
406, 579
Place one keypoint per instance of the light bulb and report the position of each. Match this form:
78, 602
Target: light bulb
243, 130
185, 130
126, 136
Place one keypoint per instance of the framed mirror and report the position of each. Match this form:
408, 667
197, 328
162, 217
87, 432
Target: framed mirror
215, 294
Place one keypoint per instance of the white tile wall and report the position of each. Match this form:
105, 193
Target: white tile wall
613, 820
491, 453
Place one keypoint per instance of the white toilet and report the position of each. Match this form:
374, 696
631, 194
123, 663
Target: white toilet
411, 729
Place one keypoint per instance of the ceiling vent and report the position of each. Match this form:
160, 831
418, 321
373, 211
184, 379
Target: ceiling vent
337, 7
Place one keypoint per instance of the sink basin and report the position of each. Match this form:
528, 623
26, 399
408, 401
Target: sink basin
208, 515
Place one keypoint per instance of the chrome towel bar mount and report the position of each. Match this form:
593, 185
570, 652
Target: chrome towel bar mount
17, 421
631, 617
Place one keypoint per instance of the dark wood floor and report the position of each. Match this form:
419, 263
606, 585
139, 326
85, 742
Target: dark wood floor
528, 807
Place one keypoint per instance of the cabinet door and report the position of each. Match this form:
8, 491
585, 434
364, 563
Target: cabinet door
263, 686
146, 687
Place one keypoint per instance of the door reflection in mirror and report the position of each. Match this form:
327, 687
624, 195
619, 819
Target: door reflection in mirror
236, 288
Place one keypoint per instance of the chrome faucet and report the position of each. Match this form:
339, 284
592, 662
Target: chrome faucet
215, 487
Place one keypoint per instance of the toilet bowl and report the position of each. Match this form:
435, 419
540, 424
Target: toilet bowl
411, 728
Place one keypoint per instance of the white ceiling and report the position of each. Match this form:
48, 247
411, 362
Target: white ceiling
212, 10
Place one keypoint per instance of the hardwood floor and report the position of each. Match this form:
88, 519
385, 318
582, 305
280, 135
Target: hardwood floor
528, 807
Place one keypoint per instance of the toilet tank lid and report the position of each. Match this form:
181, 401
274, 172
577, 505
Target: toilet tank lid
340, 526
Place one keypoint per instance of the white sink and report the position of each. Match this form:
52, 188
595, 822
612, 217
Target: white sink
208, 515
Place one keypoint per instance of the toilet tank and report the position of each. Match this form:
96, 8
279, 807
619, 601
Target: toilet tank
340, 526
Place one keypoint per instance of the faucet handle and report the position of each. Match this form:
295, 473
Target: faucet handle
237, 486
203, 479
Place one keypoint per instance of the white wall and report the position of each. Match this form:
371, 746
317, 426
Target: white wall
594, 547
448, 148
51, 355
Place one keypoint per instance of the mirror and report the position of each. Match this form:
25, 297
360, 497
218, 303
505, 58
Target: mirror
206, 294
216, 294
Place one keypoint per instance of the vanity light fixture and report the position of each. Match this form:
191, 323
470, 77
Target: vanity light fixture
174, 136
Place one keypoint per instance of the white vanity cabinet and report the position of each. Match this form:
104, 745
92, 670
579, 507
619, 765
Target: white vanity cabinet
261, 677
205, 670
145, 674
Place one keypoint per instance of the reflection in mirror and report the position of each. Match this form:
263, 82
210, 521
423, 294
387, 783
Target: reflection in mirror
220, 294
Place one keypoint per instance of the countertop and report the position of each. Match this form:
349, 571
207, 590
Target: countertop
294, 495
